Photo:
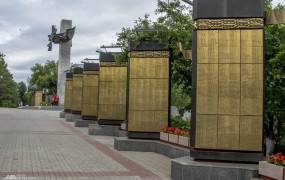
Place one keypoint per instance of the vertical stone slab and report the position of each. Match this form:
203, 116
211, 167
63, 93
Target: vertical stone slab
90, 92
112, 91
77, 84
227, 120
68, 92
63, 61
148, 89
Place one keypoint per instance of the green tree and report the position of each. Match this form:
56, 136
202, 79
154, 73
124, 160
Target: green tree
22, 92
8, 87
44, 76
274, 125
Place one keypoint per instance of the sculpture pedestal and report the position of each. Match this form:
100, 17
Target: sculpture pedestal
105, 130
72, 117
83, 123
169, 150
62, 114
185, 168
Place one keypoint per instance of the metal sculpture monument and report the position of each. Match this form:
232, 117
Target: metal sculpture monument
64, 39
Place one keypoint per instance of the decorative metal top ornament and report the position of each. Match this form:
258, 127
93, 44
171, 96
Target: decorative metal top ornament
66, 36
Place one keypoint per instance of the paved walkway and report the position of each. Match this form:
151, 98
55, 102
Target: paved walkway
38, 145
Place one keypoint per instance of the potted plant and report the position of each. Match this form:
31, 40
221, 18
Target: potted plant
273, 167
173, 135
184, 138
164, 135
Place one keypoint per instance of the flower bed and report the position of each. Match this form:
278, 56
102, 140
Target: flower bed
274, 168
175, 136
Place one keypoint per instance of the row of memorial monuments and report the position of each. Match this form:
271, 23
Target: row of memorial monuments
136, 94
227, 112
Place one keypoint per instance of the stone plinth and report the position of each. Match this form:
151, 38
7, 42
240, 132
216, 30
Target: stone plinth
185, 168
104, 130
71, 117
169, 150
83, 123
62, 114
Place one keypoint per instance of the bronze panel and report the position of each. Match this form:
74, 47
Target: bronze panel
207, 46
112, 93
147, 121
112, 111
207, 88
206, 131
229, 89
90, 95
77, 93
252, 46
148, 94
228, 132
149, 68
251, 129
116, 73
229, 46
251, 89
68, 94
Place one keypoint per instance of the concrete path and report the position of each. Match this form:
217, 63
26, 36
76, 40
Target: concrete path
37, 145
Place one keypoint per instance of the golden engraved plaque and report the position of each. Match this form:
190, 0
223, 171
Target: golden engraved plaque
229, 89
77, 93
148, 93
207, 88
251, 133
112, 93
251, 46
90, 94
145, 68
207, 45
206, 131
228, 132
68, 94
252, 89
229, 46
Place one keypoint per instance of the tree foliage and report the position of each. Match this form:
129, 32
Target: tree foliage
8, 87
22, 90
275, 81
44, 76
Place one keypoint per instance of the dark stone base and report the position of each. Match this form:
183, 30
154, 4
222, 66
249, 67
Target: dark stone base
62, 114
169, 150
110, 122
185, 168
249, 157
89, 117
67, 110
83, 123
75, 112
143, 135
104, 130
71, 117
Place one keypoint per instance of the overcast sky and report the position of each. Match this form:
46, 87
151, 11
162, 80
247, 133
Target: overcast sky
25, 24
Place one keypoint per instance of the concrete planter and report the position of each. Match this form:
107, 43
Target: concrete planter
269, 170
164, 136
172, 138
124, 126
183, 141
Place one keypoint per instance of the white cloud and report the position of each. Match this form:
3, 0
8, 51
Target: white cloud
9, 32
